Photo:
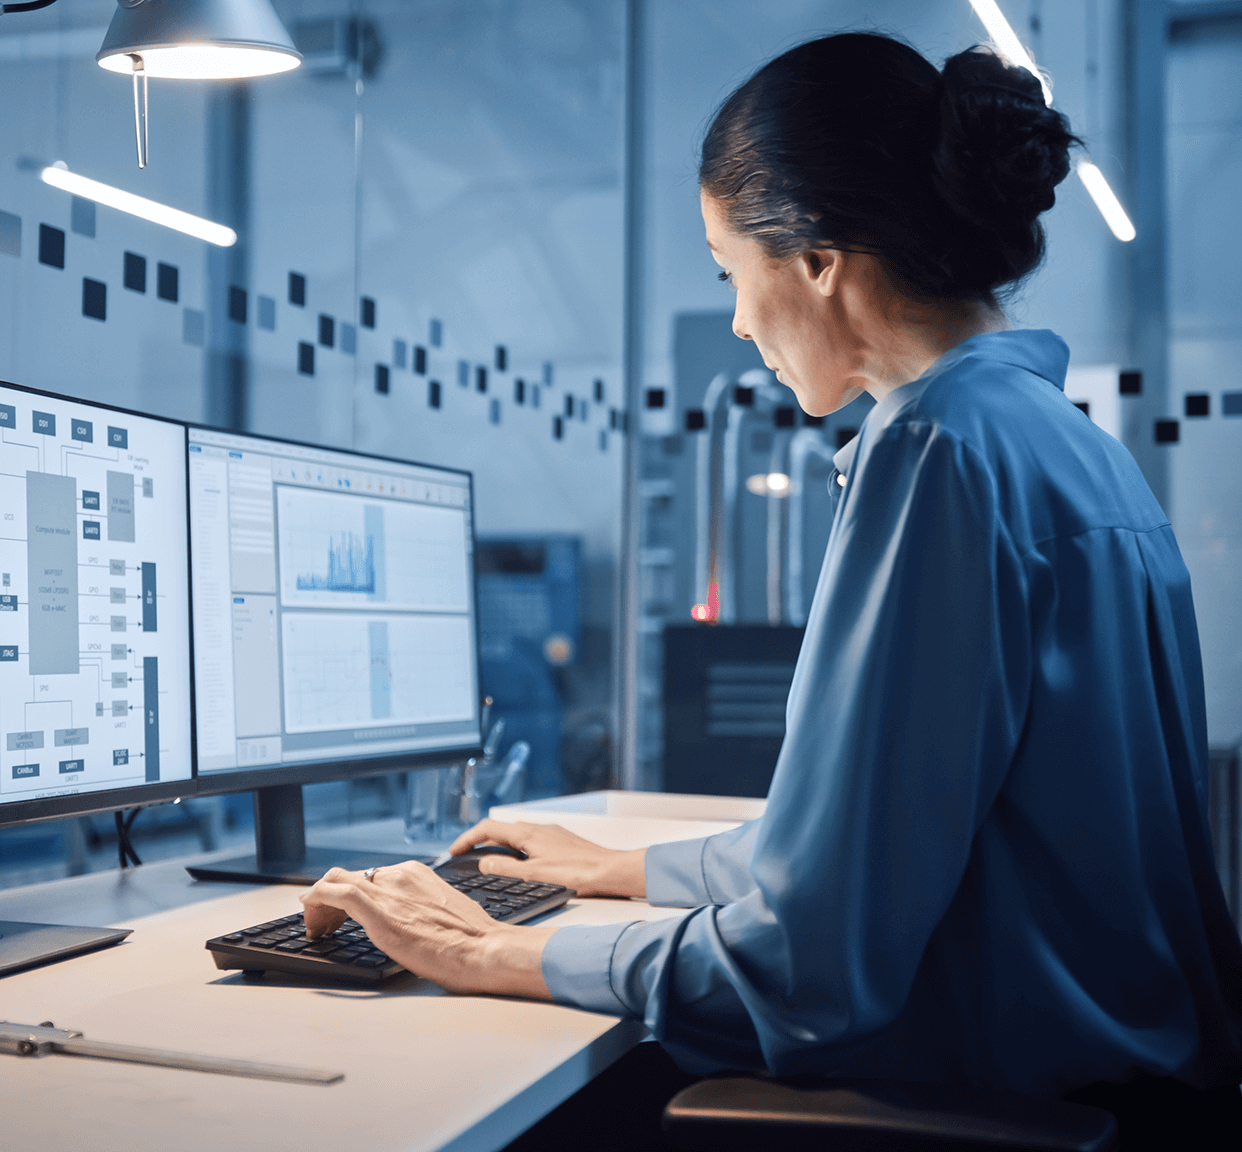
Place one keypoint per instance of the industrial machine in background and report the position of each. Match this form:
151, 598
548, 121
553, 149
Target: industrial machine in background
529, 634
735, 515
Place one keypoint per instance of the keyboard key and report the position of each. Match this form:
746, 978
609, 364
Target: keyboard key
291, 946
370, 962
265, 942
252, 931
234, 938
323, 947
500, 883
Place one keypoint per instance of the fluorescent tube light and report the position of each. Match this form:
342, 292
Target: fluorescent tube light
1106, 200
1007, 42
1010, 48
60, 177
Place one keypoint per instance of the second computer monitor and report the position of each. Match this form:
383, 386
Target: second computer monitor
334, 608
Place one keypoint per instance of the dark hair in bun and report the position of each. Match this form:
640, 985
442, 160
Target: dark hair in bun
857, 142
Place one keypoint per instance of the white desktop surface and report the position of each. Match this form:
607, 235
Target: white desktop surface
423, 1069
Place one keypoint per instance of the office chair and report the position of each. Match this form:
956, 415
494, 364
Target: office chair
750, 1114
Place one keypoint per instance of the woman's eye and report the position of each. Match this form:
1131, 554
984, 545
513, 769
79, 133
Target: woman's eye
725, 278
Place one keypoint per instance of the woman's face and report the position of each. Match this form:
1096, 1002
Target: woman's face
794, 312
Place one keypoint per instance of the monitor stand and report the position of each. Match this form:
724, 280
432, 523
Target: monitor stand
281, 855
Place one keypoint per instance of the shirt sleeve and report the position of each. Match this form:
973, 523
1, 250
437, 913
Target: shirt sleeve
903, 717
712, 870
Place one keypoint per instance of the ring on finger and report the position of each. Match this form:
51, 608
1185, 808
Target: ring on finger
370, 873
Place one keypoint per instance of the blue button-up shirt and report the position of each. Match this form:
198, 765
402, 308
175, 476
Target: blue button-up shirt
985, 854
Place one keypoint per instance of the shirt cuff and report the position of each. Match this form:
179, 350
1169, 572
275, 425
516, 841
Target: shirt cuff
674, 874
577, 967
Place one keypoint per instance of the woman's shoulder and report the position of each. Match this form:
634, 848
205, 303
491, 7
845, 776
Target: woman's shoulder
1001, 396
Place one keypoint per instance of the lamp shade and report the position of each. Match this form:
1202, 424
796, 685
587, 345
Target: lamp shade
198, 39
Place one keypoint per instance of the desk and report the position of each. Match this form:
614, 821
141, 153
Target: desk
423, 1070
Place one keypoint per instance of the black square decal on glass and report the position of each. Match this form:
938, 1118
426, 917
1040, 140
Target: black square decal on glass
599, 391
1198, 404
51, 246
135, 272
368, 312
420, 360
1167, 432
480, 379
696, 419
297, 289
327, 331
655, 397
743, 397
519, 391
381, 378
237, 304
844, 436
306, 358
1130, 383
1083, 406
463, 374
433, 394
812, 421
569, 405
494, 415
167, 278
349, 339
1231, 403
558, 428
94, 299
398, 353
435, 333
784, 417
502, 358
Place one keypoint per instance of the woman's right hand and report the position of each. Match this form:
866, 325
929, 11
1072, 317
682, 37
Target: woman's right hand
557, 856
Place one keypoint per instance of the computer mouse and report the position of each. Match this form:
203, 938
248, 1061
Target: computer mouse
477, 854
469, 861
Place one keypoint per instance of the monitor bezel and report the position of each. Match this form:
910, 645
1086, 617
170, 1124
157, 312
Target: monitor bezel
225, 781
14, 812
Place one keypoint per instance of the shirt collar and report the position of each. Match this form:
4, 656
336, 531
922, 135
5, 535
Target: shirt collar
1037, 350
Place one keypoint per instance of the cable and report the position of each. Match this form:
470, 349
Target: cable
28, 6
124, 846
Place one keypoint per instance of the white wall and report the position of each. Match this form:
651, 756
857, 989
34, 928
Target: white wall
1204, 127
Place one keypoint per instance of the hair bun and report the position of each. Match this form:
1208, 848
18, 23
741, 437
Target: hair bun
1000, 151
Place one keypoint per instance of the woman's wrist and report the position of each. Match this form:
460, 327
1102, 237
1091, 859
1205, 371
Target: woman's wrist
623, 874
509, 961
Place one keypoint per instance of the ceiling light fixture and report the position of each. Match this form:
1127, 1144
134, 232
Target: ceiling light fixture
193, 40
1009, 48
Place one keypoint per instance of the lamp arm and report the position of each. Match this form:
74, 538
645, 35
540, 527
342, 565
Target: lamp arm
28, 6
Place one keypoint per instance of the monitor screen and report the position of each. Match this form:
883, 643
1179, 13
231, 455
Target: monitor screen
334, 610
94, 613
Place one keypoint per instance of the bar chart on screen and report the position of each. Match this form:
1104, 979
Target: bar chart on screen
349, 669
346, 551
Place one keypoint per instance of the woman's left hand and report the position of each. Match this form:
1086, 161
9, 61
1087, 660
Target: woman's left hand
431, 929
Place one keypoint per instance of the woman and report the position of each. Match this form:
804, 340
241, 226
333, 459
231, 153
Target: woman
984, 857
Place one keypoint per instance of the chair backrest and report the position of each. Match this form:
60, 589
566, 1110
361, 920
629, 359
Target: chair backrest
843, 1115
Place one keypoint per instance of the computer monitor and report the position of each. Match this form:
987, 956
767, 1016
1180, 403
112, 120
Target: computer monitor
95, 704
334, 628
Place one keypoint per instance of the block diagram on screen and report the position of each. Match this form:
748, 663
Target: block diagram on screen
94, 651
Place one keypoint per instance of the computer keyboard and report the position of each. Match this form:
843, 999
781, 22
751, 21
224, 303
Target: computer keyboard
346, 954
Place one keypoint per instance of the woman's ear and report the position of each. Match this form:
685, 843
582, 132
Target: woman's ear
822, 267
